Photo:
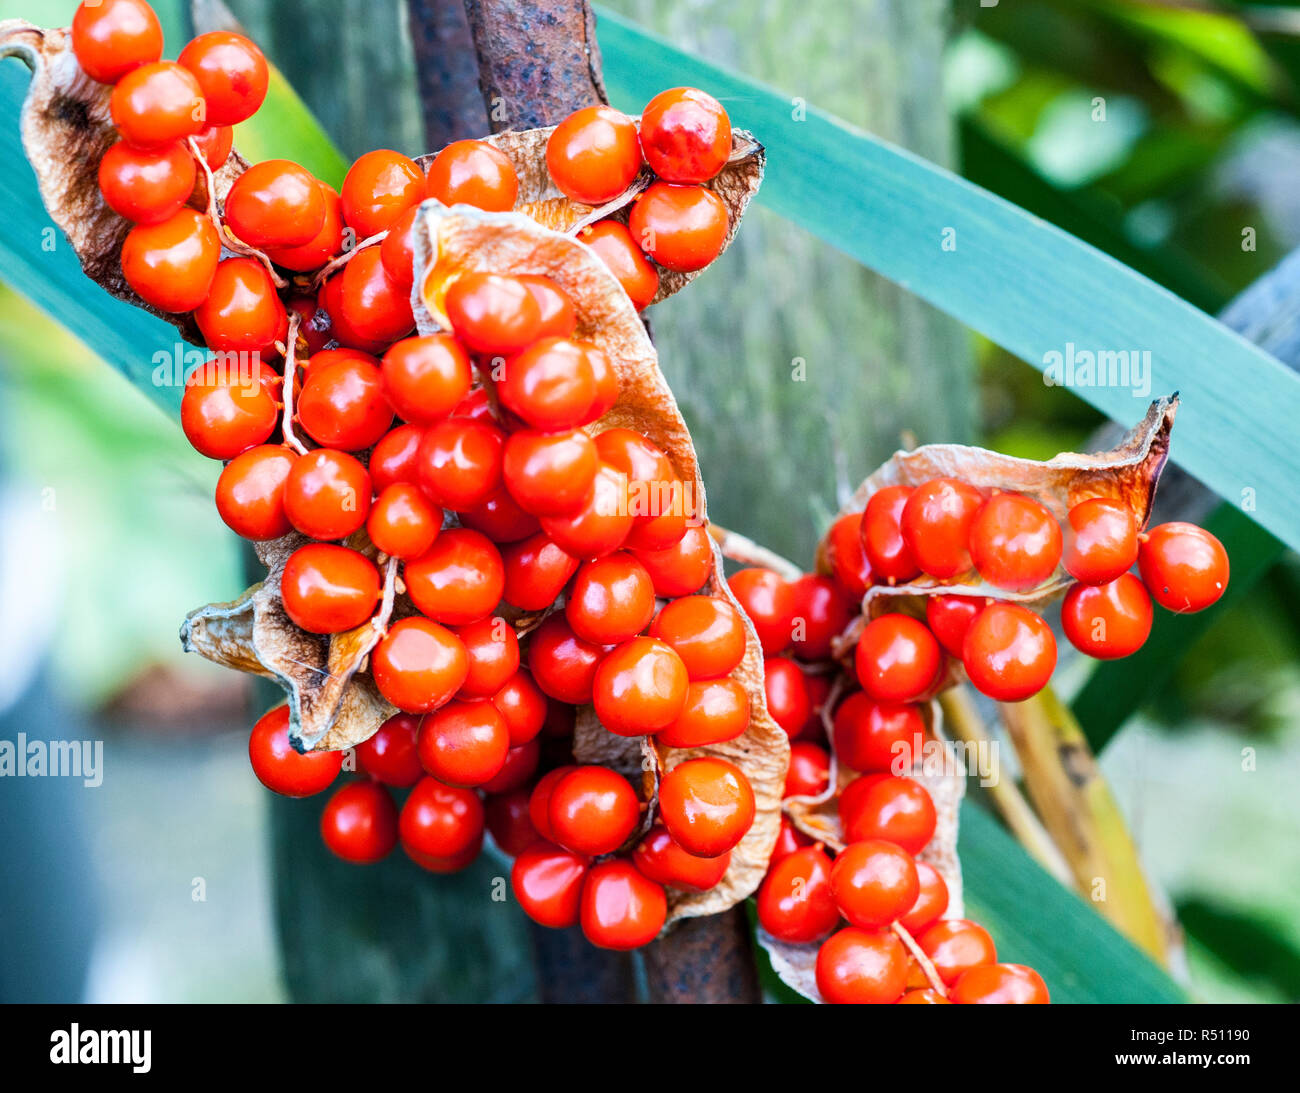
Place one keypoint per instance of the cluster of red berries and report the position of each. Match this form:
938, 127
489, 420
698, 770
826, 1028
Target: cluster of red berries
676, 223
950, 530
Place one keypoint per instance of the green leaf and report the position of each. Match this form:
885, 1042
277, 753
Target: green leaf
1025, 284
1035, 921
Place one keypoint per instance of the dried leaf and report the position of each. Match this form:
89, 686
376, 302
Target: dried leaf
450, 242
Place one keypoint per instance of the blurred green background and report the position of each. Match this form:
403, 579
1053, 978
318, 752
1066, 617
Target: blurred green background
1198, 136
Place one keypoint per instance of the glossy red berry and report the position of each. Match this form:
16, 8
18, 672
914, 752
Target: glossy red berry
621, 909
1015, 542
682, 568
378, 189
223, 418
706, 631
146, 185
402, 523
873, 736
655, 496
795, 903
458, 580
1184, 567
394, 457
342, 404
601, 525
493, 649
523, 705
611, 599
419, 665
389, 755
359, 823
822, 612
1101, 541
464, 743
473, 172
639, 688
492, 313
460, 461
215, 143
231, 72
897, 659
550, 474
857, 966
931, 900
883, 545
112, 37
281, 767
508, 822
685, 135
156, 104
1000, 984
786, 689
898, 810
612, 241
788, 840
397, 251
426, 377
936, 525
845, 556
715, 710
250, 492
551, 385
242, 312
170, 264
707, 805
327, 494
949, 617
517, 771
547, 880
563, 665
683, 228
275, 203
559, 319
874, 882
661, 860
809, 772
536, 571
501, 519
593, 154
1009, 652
326, 244
592, 810
769, 602
955, 945
368, 303
1108, 621
328, 589
441, 821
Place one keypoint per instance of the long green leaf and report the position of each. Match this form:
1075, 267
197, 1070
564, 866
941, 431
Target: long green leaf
1035, 921
1028, 286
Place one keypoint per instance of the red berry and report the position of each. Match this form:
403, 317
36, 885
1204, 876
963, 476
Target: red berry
769, 601
592, 810
464, 743
655, 496
321, 247
621, 909
458, 580
822, 612
931, 900
1009, 652
493, 313
518, 769
394, 457
368, 303
788, 700
493, 649
229, 416
215, 143
1108, 621
359, 823
547, 880
956, 945
794, 902
936, 525
612, 241
949, 617
883, 545
897, 810
559, 319
685, 135
1000, 984
638, 689
707, 805
1101, 541
539, 802
845, 556
536, 571
706, 631
923, 998
389, 755
112, 37
611, 599
402, 522
809, 771
550, 385
426, 377
875, 736
441, 821
460, 461
275, 203
523, 705
397, 251
601, 525
231, 72
242, 312
501, 519
788, 840
283, 769
419, 665
550, 474
327, 494
507, 820
156, 104
683, 228
146, 185
1184, 567
378, 189
593, 154
661, 860
563, 665
170, 265
473, 172
329, 589
1015, 542
897, 659
715, 710
857, 966
250, 492
874, 882
682, 568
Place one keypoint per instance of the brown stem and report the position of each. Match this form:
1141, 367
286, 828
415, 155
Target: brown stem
286, 390
926, 965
